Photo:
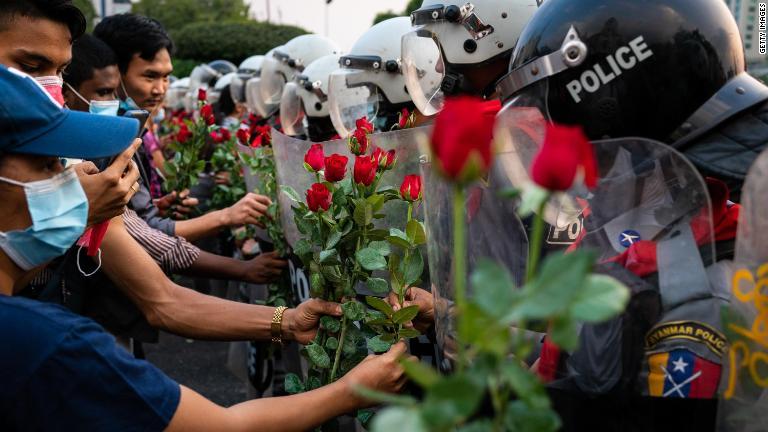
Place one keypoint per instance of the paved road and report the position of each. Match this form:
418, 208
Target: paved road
198, 365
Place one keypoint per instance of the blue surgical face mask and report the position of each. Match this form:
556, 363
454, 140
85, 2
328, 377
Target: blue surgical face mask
107, 108
127, 104
59, 211
159, 116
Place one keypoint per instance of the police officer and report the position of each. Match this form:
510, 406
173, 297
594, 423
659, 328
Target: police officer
370, 82
304, 104
672, 71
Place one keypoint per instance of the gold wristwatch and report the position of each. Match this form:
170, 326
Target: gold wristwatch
277, 324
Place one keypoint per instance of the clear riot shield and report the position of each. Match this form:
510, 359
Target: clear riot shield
289, 157
494, 232
649, 223
744, 400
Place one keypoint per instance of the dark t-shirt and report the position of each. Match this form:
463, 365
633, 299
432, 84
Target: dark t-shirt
60, 371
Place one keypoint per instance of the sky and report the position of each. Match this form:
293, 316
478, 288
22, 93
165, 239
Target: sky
346, 19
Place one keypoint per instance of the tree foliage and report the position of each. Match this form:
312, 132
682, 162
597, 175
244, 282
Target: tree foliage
233, 41
383, 16
410, 7
175, 14
86, 7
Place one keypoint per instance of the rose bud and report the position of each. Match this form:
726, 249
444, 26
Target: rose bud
363, 123
365, 170
410, 190
405, 116
565, 151
385, 160
462, 138
358, 142
314, 160
206, 112
184, 134
318, 198
335, 167
244, 136
202, 95
226, 135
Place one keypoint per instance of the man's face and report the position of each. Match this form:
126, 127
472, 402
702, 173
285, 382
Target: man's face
147, 81
37, 46
101, 87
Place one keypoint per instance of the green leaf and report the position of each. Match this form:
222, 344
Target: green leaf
600, 298
412, 268
330, 323
370, 259
293, 384
332, 343
520, 416
405, 314
376, 201
377, 345
381, 397
377, 285
381, 246
313, 383
550, 293
523, 382
363, 213
532, 198
494, 288
364, 416
398, 238
302, 247
329, 257
333, 238
398, 419
564, 333
380, 305
316, 284
290, 193
416, 233
451, 400
408, 333
318, 356
420, 373
353, 310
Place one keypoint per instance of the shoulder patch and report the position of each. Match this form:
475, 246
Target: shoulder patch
690, 330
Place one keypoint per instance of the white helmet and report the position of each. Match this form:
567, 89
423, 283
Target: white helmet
307, 95
287, 61
370, 74
459, 34
215, 94
174, 98
248, 69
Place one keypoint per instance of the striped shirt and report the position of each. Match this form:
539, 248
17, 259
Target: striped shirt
170, 253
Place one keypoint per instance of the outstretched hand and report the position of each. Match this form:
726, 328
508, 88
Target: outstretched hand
301, 324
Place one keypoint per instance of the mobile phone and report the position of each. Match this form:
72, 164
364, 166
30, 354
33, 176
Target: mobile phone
142, 116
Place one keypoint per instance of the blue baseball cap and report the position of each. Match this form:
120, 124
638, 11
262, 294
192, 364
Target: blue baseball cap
31, 122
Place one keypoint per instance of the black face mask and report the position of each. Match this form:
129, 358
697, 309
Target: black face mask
320, 129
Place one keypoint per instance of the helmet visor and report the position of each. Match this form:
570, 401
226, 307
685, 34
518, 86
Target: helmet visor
202, 76
424, 70
292, 110
273, 78
174, 99
253, 99
351, 99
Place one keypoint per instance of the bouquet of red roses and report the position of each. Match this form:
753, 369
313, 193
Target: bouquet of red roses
345, 247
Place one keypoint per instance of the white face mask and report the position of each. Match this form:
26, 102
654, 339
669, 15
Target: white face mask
107, 108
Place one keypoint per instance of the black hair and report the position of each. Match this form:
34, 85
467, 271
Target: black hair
128, 34
60, 11
89, 53
226, 105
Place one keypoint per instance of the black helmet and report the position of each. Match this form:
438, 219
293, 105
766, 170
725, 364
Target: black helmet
624, 68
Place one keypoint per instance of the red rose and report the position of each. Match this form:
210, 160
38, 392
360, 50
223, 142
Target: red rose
363, 123
365, 170
410, 190
461, 138
202, 95
206, 112
335, 167
253, 118
404, 118
358, 142
226, 135
265, 132
318, 198
217, 137
184, 134
565, 151
314, 160
244, 136
385, 160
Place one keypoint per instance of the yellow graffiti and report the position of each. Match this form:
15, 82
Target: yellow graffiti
747, 290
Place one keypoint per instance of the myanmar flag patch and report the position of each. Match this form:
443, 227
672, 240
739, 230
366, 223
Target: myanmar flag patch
682, 374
